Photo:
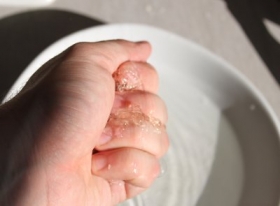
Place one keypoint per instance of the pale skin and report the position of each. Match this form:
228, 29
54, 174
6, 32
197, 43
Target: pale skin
54, 150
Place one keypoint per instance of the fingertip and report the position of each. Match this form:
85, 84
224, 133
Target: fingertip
146, 46
144, 43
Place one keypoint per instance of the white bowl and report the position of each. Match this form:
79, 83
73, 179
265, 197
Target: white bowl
224, 135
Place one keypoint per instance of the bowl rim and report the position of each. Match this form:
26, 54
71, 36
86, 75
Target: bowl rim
253, 89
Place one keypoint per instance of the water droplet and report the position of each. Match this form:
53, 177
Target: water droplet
135, 171
252, 107
163, 168
109, 167
126, 78
133, 116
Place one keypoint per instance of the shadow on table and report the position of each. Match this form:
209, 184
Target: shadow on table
23, 36
250, 15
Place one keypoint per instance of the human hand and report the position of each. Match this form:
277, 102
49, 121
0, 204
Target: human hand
69, 139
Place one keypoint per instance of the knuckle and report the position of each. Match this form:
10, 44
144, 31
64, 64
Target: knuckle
152, 70
122, 42
79, 50
156, 170
104, 59
163, 146
150, 175
80, 46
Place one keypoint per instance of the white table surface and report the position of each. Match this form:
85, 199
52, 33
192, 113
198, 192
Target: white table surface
206, 22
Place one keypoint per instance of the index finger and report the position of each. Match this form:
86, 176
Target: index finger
110, 54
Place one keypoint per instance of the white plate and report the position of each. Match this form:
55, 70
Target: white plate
25, 2
224, 135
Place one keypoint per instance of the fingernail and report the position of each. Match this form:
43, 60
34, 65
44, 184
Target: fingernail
106, 136
100, 162
141, 42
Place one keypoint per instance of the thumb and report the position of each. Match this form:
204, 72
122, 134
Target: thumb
76, 96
